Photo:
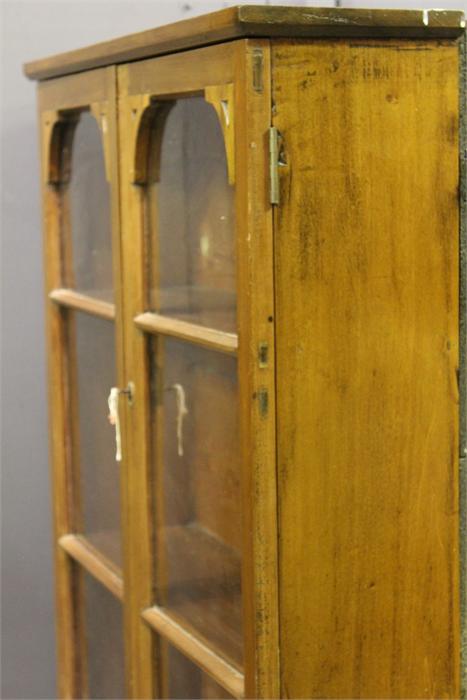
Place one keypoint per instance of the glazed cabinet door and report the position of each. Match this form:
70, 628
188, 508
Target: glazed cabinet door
199, 320
81, 227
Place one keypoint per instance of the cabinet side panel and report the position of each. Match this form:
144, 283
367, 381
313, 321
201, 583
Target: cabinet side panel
463, 359
367, 285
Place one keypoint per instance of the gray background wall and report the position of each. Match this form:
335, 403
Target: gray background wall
31, 29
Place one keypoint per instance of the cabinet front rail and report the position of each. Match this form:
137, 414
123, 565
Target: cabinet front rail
226, 675
94, 562
82, 302
192, 332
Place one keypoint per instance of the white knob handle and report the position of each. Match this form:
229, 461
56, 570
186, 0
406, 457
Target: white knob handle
182, 411
114, 419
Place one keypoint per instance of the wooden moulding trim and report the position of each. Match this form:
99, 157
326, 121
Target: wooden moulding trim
252, 21
83, 302
463, 360
223, 673
191, 332
94, 562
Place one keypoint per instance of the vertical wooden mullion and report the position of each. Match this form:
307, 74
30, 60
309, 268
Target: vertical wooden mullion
109, 129
138, 568
257, 383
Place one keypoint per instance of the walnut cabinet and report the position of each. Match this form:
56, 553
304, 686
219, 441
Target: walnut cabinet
253, 232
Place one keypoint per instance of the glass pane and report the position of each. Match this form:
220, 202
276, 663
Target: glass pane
193, 233
197, 462
95, 437
88, 251
104, 641
187, 681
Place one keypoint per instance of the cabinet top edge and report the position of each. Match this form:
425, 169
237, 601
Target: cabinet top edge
250, 21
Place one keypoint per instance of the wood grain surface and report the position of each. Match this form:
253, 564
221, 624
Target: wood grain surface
367, 354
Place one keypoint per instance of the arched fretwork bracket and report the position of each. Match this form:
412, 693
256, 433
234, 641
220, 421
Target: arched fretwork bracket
151, 119
57, 130
147, 116
221, 97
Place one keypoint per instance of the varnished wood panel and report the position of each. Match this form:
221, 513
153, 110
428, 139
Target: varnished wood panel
251, 20
367, 353
463, 355
74, 91
168, 75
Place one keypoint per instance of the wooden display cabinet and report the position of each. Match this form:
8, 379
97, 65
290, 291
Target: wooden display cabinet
251, 229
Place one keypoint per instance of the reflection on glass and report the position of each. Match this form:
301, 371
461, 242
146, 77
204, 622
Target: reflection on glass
104, 642
95, 439
198, 512
88, 251
193, 233
186, 681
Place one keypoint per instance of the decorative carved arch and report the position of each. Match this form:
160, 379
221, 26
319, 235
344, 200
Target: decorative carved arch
153, 114
59, 128
57, 139
58, 132
149, 138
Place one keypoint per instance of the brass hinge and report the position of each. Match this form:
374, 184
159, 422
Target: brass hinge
275, 159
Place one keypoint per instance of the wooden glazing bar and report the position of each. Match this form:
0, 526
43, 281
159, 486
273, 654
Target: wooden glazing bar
226, 675
94, 562
208, 337
393, 606
83, 302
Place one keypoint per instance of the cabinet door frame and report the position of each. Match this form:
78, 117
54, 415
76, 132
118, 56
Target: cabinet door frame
239, 70
58, 101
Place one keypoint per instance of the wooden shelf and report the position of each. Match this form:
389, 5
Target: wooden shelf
202, 588
95, 563
204, 305
206, 561
82, 302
